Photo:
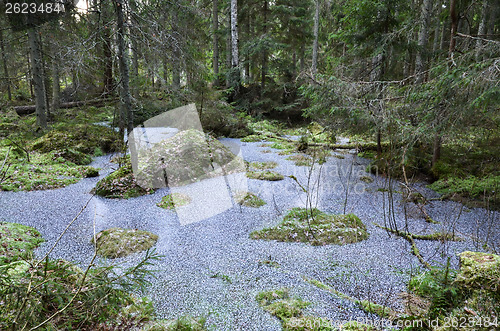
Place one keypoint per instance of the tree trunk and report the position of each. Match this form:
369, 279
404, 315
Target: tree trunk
481, 30
176, 63
314, 66
436, 154
228, 50
215, 41
126, 105
5, 67
107, 79
38, 77
235, 76
423, 36
264, 51
454, 26
493, 10
133, 41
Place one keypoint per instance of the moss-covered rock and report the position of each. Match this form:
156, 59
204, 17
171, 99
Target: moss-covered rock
263, 165
170, 201
315, 227
81, 138
248, 199
120, 184
187, 157
117, 242
17, 242
265, 175
479, 271
301, 160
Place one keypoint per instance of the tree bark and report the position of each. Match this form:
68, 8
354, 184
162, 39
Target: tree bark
423, 36
30, 109
264, 51
38, 77
107, 79
215, 41
436, 154
454, 26
314, 66
481, 30
5, 67
126, 104
235, 70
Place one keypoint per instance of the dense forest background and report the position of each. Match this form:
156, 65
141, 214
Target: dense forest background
418, 78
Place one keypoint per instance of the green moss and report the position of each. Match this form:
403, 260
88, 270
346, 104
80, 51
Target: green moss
366, 179
301, 160
380, 310
282, 145
265, 175
368, 154
117, 242
120, 184
80, 138
288, 151
248, 199
263, 165
170, 201
315, 227
42, 172
187, 157
184, 323
252, 138
479, 271
470, 187
17, 242
290, 311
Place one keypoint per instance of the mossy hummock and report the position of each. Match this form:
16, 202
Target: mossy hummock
117, 242
315, 227
170, 201
17, 242
248, 199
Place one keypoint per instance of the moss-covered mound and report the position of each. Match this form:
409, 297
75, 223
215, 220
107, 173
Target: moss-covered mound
315, 227
479, 271
470, 294
265, 175
187, 157
117, 242
263, 165
30, 171
81, 138
248, 199
120, 184
170, 201
17, 241
301, 160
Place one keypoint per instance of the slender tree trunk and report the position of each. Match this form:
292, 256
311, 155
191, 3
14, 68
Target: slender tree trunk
38, 77
294, 64
314, 66
56, 86
215, 41
302, 60
247, 60
493, 10
264, 51
423, 36
454, 27
133, 41
235, 81
5, 67
436, 154
481, 30
107, 81
176, 61
126, 104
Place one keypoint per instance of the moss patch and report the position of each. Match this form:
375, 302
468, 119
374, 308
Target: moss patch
289, 311
315, 227
265, 175
120, 184
366, 179
41, 171
252, 138
184, 323
263, 165
301, 160
248, 199
479, 271
80, 138
170, 201
116, 242
187, 157
17, 242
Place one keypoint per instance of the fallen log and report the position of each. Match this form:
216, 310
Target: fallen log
26, 110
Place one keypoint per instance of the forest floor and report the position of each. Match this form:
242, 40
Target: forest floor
212, 268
